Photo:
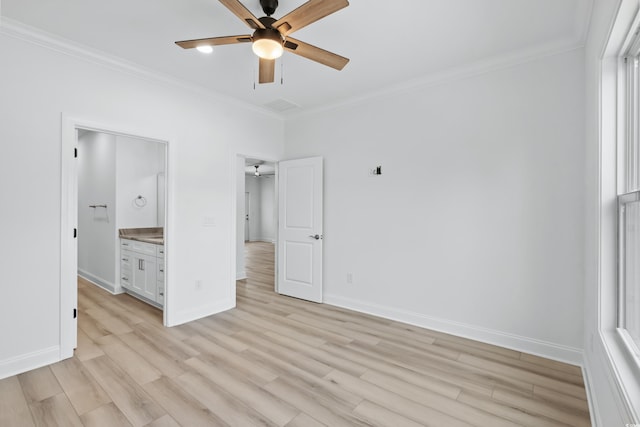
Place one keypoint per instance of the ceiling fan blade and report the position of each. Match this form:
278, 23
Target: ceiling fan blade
214, 41
267, 69
315, 53
243, 13
306, 14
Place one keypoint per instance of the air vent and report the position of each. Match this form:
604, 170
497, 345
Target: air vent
281, 105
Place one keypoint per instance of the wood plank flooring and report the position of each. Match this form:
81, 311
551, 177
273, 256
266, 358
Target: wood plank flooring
278, 361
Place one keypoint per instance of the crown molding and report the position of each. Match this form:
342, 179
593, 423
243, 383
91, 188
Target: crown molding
39, 37
448, 76
36, 36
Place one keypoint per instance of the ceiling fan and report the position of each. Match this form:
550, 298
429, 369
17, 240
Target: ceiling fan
271, 36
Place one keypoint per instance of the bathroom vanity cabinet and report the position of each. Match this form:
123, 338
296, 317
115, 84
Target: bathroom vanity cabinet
142, 270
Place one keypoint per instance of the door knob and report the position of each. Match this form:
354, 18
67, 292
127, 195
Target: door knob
316, 236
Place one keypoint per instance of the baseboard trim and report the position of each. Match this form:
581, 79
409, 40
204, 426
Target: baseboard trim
190, 315
241, 275
98, 281
594, 413
26, 362
536, 347
263, 240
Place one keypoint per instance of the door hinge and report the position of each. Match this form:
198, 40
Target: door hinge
75, 233
75, 153
75, 313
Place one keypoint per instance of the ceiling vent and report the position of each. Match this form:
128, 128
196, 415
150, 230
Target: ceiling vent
281, 105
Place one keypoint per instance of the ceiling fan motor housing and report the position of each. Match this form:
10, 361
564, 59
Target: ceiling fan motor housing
269, 6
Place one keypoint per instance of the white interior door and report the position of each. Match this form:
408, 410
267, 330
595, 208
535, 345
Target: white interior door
300, 228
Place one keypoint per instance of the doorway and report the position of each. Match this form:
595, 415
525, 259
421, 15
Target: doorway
72, 130
256, 203
120, 187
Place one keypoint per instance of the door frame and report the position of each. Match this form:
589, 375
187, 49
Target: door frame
234, 215
69, 221
247, 212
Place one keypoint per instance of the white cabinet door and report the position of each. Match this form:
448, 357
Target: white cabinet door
144, 276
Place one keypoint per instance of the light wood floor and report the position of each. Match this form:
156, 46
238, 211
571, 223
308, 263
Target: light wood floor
283, 362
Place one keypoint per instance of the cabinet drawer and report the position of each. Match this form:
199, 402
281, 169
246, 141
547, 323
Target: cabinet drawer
139, 247
144, 248
125, 279
126, 258
126, 244
160, 274
160, 296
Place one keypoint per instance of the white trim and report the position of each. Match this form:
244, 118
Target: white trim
68, 220
594, 412
29, 361
98, 281
537, 347
189, 315
68, 244
59, 44
440, 78
39, 37
611, 399
263, 240
241, 275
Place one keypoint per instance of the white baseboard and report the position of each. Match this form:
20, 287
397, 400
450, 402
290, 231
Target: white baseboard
263, 239
241, 275
189, 315
29, 361
98, 281
541, 348
594, 412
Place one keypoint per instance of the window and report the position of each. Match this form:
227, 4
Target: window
628, 321
629, 277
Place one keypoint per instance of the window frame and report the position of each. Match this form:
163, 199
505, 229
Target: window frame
621, 289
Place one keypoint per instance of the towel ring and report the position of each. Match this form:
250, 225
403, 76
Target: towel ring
140, 201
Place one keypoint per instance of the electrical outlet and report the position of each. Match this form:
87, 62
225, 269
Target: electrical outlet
350, 278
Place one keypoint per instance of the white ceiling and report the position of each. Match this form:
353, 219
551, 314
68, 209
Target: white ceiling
266, 168
390, 43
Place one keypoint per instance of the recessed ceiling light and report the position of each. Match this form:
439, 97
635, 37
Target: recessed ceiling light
205, 49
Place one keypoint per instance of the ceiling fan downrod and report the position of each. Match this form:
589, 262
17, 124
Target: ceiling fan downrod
269, 6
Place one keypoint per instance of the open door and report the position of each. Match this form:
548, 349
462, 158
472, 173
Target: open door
300, 228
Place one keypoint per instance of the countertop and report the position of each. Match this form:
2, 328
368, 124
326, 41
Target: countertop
154, 235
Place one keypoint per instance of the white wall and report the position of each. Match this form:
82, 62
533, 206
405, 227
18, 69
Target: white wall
97, 226
604, 380
137, 167
267, 209
252, 186
262, 224
476, 224
204, 133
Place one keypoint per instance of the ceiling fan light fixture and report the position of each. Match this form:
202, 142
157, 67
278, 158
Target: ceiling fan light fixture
267, 43
256, 173
205, 48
